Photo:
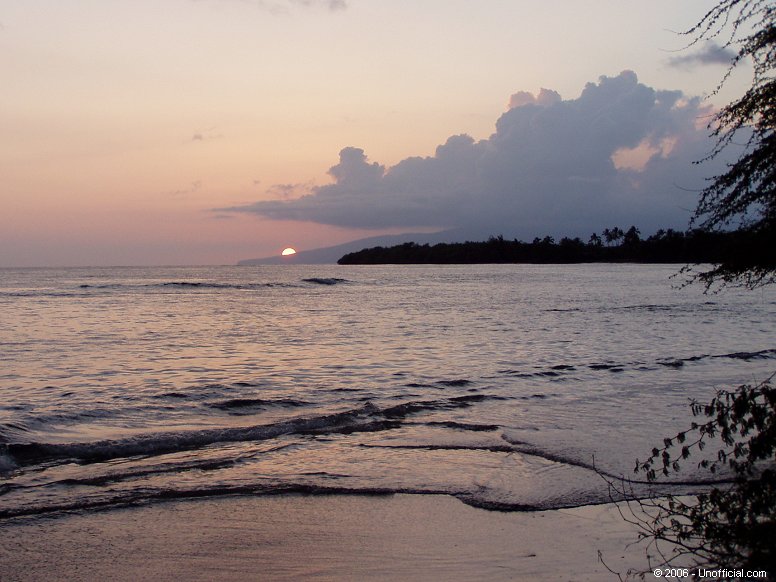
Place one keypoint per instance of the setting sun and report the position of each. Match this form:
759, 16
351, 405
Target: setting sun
288, 251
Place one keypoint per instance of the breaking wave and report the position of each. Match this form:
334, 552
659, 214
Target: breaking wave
560, 370
238, 404
367, 418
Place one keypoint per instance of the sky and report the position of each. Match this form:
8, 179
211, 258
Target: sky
183, 132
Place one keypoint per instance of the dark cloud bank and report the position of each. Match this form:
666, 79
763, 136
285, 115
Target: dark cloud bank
621, 153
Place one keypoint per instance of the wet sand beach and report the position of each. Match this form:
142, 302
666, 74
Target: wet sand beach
339, 537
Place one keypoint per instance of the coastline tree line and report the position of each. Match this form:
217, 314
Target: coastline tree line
613, 245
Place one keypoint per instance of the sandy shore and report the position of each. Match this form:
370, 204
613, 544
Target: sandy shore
293, 537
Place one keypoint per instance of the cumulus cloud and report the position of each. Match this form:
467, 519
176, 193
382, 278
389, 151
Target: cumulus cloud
544, 97
710, 54
620, 153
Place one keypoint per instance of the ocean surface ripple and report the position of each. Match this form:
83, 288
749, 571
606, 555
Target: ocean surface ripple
509, 387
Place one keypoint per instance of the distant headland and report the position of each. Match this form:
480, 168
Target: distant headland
611, 246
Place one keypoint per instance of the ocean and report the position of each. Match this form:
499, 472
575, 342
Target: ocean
509, 387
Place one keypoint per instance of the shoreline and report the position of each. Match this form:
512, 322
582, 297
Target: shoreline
319, 537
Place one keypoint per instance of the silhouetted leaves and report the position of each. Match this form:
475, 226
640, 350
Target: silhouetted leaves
731, 526
744, 197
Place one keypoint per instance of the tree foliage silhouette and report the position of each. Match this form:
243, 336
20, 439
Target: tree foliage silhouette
744, 196
662, 247
732, 526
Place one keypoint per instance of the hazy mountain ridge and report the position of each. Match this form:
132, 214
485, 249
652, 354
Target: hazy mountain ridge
332, 254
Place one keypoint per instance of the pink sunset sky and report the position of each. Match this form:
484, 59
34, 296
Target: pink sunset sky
209, 131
